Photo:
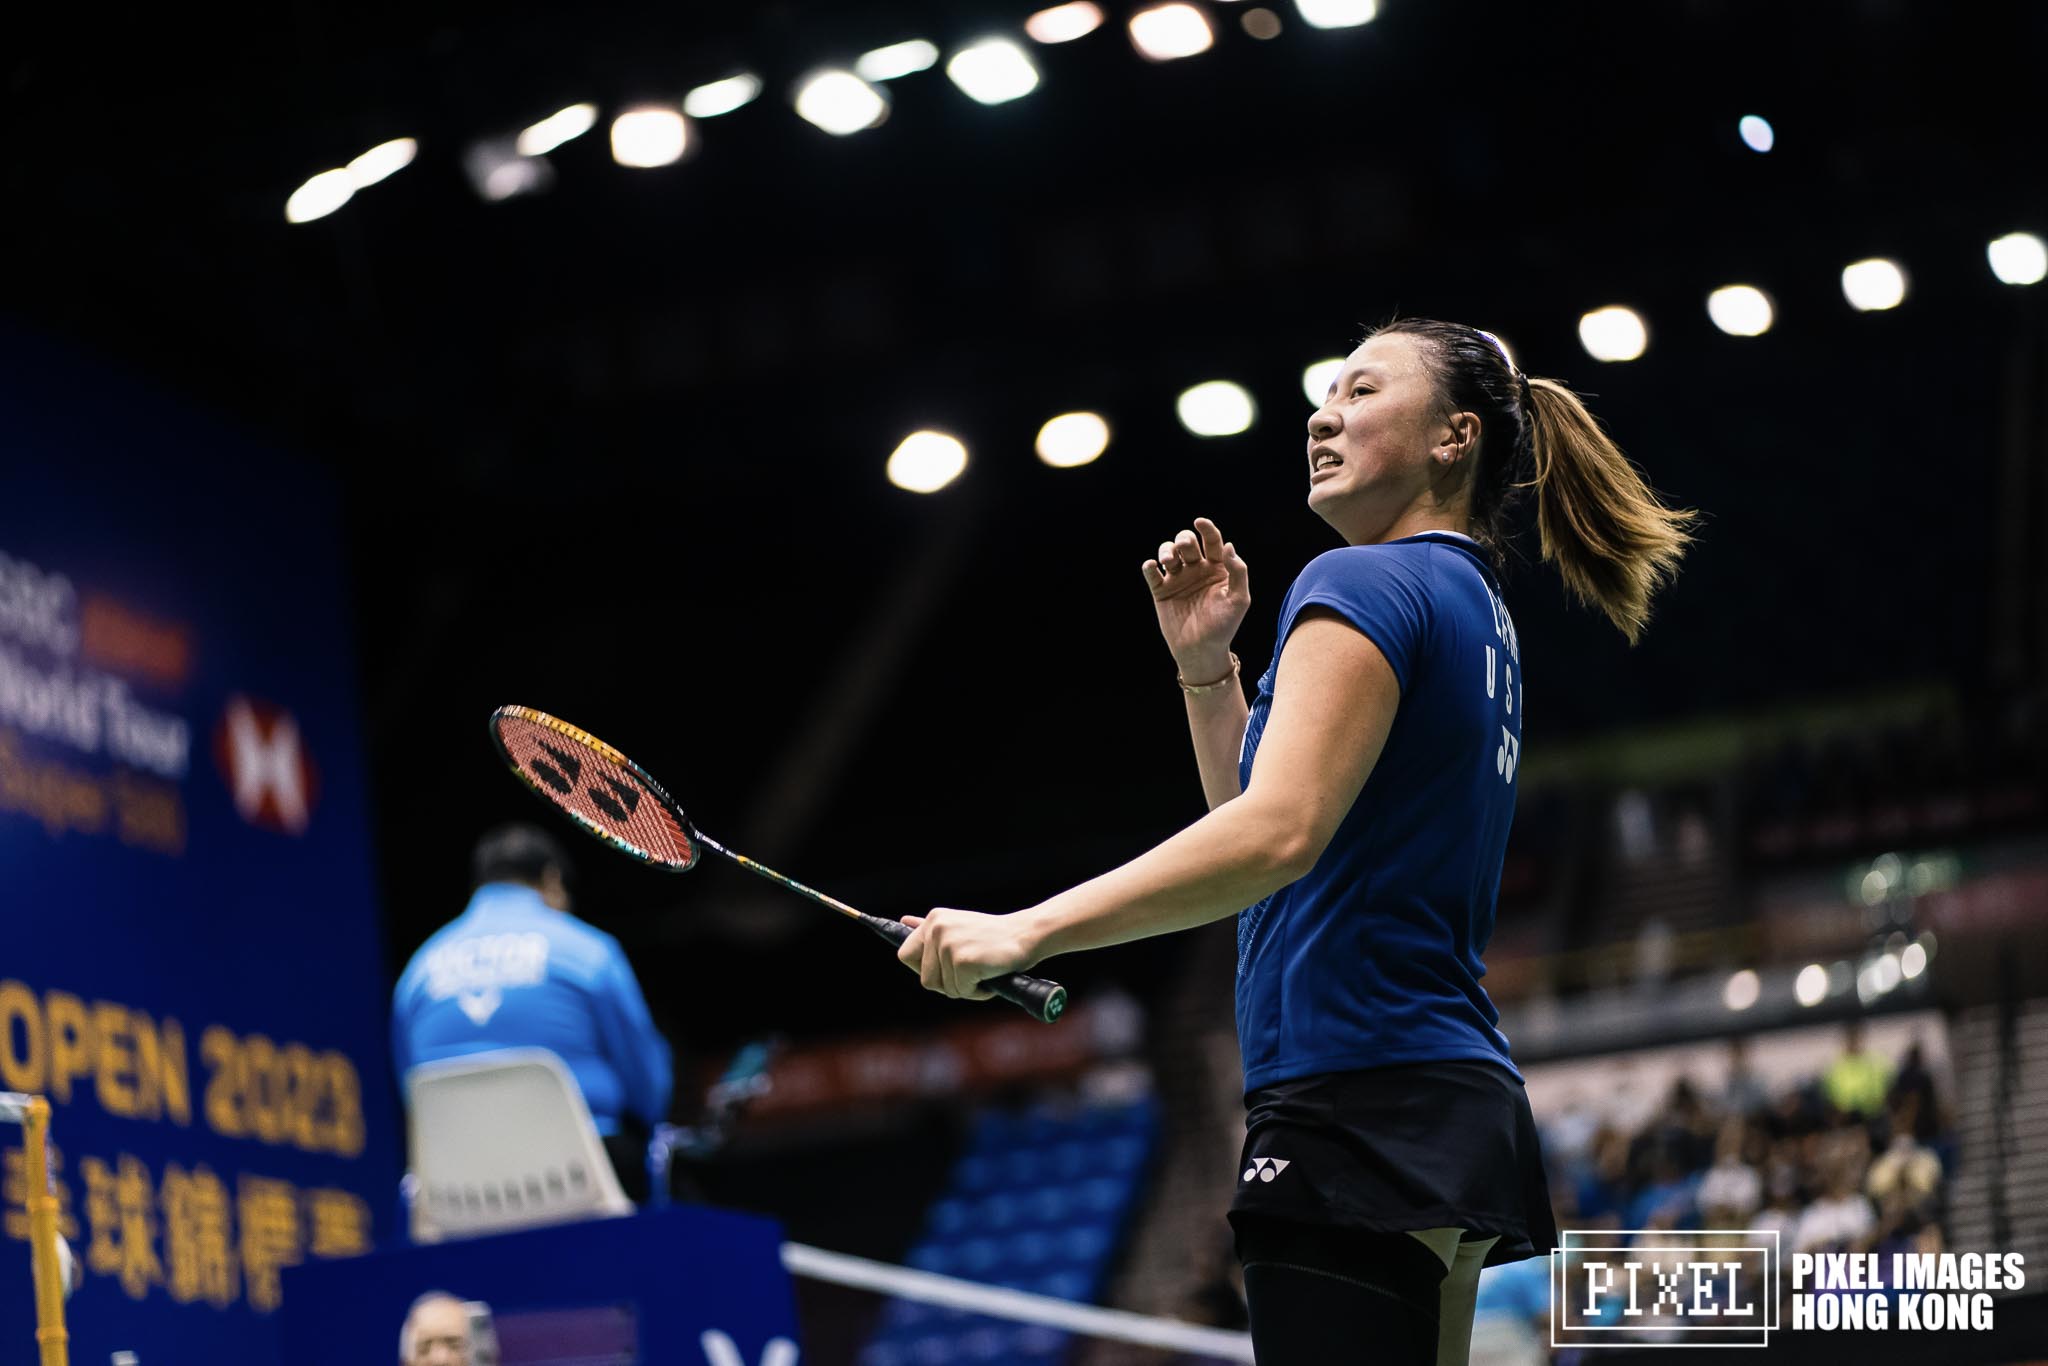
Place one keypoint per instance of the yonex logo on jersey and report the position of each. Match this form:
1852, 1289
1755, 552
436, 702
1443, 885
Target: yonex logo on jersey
1266, 1168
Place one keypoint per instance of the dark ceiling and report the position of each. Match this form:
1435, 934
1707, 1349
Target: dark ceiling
616, 450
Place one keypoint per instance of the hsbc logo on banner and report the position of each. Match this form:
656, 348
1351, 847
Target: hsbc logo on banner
263, 758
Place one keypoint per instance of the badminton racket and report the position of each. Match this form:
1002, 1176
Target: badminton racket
614, 799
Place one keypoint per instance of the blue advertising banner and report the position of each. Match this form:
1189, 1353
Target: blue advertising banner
190, 963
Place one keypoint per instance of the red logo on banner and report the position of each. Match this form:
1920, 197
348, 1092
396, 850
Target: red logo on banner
264, 760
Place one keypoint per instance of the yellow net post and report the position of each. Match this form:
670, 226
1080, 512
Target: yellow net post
33, 1114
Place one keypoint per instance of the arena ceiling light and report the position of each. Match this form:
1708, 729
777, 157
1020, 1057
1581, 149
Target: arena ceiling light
1811, 986
1741, 310
1064, 23
993, 71
651, 135
537, 140
1613, 333
1337, 13
897, 59
1072, 439
1912, 961
1317, 379
386, 158
1165, 32
2019, 258
1742, 990
1756, 133
1216, 408
840, 102
1261, 23
328, 191
1874, 285
497, 172
320, 196
926, 462
722, 97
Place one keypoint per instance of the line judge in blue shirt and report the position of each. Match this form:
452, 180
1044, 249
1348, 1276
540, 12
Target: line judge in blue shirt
1359, 807
517, 970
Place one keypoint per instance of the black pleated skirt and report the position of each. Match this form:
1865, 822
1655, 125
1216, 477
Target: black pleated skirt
1397, 1149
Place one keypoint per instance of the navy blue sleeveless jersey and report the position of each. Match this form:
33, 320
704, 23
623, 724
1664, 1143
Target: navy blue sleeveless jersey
1373, 957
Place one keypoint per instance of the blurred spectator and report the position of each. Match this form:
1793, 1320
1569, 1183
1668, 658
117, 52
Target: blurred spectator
1695, 838
1568, 1136
1916, 1082
517, 970
436, 1332
1842, 1219
1906, 1171
1797, 1112
1666, 1199
1745, 1094
1781, 1210
1602, 1186
1796, 1164
1511, 1319
1635, 825
1857, 1082
1682, 1131
1732, 1190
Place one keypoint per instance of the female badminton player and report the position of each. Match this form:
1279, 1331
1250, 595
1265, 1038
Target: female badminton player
1359, 807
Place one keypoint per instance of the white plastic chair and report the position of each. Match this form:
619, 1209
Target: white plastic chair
503, 1140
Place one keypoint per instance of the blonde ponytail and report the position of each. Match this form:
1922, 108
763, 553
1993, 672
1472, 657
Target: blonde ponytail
1615, 544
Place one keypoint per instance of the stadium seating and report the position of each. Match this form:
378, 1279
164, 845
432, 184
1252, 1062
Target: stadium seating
1038, 1202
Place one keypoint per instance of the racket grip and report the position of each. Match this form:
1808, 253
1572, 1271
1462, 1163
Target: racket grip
1042, 1000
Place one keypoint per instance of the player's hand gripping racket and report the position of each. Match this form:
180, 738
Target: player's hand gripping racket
614, 799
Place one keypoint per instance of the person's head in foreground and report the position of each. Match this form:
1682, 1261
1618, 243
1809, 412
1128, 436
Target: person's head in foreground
1429, 425
436, 1332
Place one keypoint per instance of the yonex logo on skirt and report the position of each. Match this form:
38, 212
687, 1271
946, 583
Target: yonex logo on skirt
1265, 1168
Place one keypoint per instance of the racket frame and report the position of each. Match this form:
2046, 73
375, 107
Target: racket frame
1039, 998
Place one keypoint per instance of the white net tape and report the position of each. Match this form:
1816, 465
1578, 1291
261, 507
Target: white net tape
948, 1292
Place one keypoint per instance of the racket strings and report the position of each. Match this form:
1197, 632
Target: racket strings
594, 785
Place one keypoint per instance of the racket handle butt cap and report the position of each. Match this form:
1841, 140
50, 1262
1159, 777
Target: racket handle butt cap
1042, 1000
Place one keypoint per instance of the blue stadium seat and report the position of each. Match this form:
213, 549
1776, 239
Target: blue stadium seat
936, 1257
986, 1341
1065, 1285
976, 1257
1022, 1166
1103, 1194
1052, 1204
1071, 1159
1032, 1248
1035, 1342
950, 1216
1085, 1242
1122, 1153
1035, 1204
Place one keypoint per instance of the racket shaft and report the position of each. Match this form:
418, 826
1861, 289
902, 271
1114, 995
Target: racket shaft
763, 870
1035, 996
